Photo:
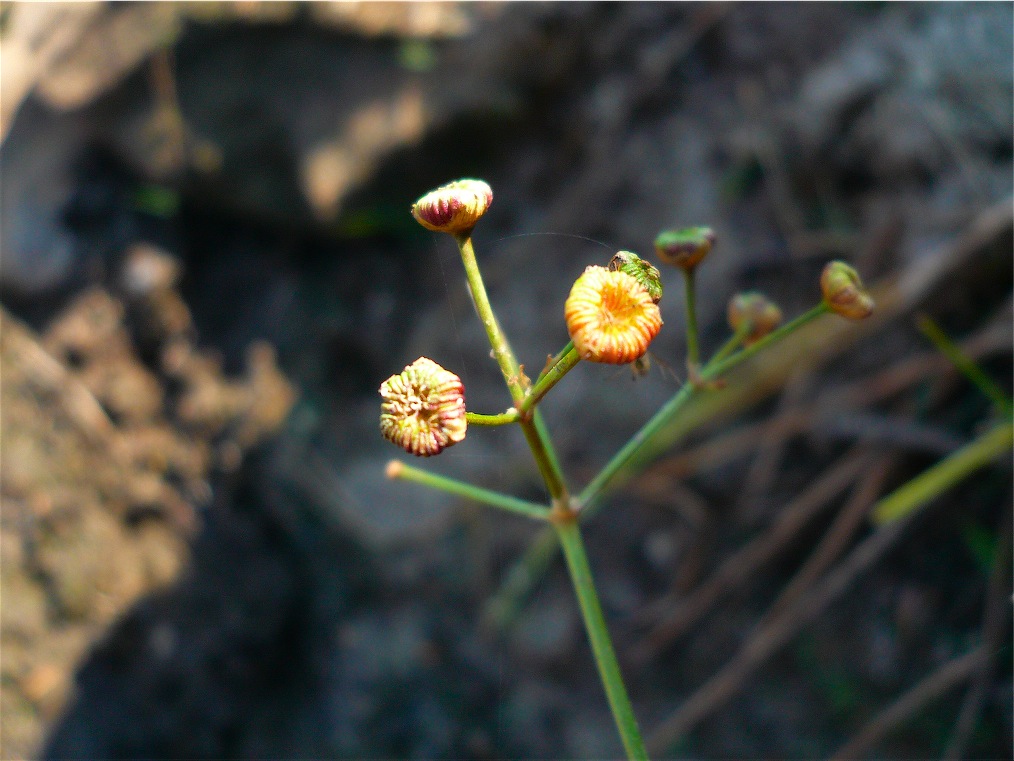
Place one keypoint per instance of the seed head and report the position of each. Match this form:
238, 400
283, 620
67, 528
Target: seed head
685, 248
844, 293
757, 309
643, 272
453, 208
423, 409
610, 316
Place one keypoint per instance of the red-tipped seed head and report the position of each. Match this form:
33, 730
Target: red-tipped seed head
453, 208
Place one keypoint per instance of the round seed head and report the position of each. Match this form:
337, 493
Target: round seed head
643, 272
844, 292
453, 208
610, 316
758, 310
423, 409
684, 248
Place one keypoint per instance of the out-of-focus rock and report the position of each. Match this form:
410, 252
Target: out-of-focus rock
102, 470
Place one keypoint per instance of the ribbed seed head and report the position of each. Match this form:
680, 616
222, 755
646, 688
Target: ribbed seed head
453, 208
423, 408
844, 292
757, 309
610, 316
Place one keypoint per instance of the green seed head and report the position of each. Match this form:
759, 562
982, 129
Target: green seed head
684, 248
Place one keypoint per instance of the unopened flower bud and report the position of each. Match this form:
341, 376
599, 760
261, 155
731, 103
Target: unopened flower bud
453, 208
684, 248
423, 409
642, 271
757, 310
610, 316
844, 293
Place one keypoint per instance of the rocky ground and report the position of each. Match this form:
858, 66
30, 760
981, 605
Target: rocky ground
208, 268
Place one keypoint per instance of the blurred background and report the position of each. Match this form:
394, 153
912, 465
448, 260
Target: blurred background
208, 267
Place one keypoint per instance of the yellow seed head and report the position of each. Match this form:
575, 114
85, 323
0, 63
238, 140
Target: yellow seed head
757, 309
423, 409
844, 293
611, 317
453, 208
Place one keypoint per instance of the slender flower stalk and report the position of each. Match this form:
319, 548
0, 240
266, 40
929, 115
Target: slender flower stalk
405, 472
551, 362
550, 378
661, 418
598, 635
734, 342
685, 249
503, 418
534, 430
693, 350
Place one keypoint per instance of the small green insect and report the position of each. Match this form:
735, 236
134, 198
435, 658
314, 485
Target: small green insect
643, 272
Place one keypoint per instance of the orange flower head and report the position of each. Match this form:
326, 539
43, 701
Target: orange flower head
610, 316
762, 314
453, 208
844, 293
423, 409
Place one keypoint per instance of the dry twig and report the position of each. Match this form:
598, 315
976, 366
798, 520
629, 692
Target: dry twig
741, 566
767, 639
932, 687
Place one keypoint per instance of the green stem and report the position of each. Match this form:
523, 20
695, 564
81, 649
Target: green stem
504, 606
721, 367
598, 635
502, 418
966, 366
404, 472
534, 431
562, 512
555, 359
501, 348
550, 378
693, 351
733, 343
661, 418
597, 485
547, 442
944, 474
